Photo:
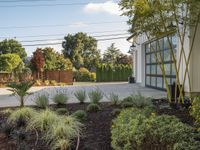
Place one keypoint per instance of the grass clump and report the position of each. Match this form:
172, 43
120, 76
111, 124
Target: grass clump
95, 96
21, 116
7, 111
60, 98
93, 107
114, 98
80, 95
42, 101
43, 120
81, 115
62, 111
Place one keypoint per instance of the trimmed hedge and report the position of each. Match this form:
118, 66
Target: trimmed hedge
109, 73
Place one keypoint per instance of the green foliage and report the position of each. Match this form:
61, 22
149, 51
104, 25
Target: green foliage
137, 101
60, 98
142, 129
82, 50
84, 75
195, 111
62, 111
7, 111
21, 116
11, 63
12, 46
114, 98
93, 107
81, 115
109, 73
55, 61
42, 101
43, 120
80, 95
116, 111
20, 90
95, 96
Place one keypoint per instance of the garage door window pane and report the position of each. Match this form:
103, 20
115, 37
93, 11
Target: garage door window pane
167, 69
148, 59
153, 58
159, 71
159, 82
153, 69
167, 55
153, 81
148, 80
148, 69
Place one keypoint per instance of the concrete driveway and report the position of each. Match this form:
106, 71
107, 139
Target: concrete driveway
122, 89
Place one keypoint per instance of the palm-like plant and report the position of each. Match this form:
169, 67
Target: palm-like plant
20, 90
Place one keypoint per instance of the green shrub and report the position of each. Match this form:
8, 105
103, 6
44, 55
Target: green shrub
116, 112
114, 98
95, 96
42, 101
46, 82
80, 115
62, 111
142, 129
137, 101
80, 95
84, 75
7, 111
21, 116
43, 120
93, 107
53, 82
60, 98
195, 111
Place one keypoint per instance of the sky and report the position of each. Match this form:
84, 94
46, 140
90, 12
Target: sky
30, 21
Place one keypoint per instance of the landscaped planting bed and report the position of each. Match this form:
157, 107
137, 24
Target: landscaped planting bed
96, 133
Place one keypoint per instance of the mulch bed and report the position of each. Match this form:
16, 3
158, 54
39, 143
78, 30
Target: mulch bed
96, 134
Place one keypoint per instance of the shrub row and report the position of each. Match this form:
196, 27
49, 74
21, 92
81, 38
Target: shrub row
108, 73
84, 75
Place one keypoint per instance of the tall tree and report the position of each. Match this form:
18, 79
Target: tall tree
111, 54
82, 50
154, 18
38, 61
124, 59
12, 46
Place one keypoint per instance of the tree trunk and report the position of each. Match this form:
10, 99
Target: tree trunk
22, 102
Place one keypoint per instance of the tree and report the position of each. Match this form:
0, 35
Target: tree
111, 54
156, 17
38, 61
20, 90
12, 46
124, 59
82, 50
9, 62
55, 60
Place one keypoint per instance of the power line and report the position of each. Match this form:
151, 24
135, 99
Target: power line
50, 44
59, 25
45, 5
62, 34
14, 1
42, 40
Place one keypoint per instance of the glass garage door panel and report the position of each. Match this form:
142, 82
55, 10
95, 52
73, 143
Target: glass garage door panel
157, 51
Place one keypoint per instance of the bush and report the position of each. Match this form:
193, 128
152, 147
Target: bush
53, 82
116, 112
62, 111
195, 110
95, 96
60, 98
93, 107
114, 98
142, 129
80, 115
46, 82
80, 95
84, 75
137, 101
7, 111
42, 101
38, 83
21, 116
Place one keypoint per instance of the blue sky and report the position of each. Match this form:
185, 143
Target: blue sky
74, 18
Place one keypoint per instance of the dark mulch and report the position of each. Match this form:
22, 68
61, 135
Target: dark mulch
96, 134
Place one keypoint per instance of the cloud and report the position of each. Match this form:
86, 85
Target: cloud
109, 7
78, 25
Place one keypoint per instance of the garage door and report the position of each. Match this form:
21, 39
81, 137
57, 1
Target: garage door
161, 49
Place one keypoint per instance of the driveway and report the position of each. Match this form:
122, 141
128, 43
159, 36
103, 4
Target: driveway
122, 89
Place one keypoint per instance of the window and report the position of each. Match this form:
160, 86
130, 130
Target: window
156, 51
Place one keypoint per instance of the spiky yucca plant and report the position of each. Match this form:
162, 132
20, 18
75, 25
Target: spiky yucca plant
80, 95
